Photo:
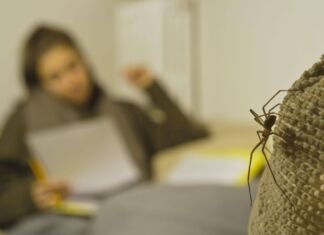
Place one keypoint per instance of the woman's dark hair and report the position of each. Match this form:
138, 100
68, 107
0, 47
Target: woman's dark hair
39, 42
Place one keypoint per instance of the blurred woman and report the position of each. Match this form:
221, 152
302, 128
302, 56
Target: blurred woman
62, 89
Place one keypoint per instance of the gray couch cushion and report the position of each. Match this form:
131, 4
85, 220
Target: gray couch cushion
202, 210
147, 209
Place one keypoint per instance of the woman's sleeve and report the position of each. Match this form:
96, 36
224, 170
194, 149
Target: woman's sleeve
167, 125
15, 175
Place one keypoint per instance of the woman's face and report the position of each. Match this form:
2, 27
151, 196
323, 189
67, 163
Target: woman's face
63, 73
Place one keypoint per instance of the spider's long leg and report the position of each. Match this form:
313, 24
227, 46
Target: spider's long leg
274, 178
264, 106
276, 134
260, 138
249, 169
270, 110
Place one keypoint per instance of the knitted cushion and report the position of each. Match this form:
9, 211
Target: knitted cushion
298, 164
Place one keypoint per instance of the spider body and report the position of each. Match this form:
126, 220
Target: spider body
269, 122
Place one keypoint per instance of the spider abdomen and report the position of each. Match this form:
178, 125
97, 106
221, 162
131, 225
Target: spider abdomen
270, 121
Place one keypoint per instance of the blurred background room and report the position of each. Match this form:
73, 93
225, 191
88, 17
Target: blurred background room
228, 56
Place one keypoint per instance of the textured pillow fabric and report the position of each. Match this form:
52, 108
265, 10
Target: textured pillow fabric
298, 164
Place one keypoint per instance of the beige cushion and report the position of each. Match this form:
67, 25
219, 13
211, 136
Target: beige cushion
298, 164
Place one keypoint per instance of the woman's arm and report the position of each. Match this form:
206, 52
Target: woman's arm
170, 125
15, 176
164, 125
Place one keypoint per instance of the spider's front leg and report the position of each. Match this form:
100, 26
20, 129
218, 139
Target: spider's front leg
264, 106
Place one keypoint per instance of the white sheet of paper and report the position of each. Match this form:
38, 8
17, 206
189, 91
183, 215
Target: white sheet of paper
90, 155
195, 169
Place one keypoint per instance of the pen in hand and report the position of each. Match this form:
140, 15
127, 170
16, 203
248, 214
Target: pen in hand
46, 192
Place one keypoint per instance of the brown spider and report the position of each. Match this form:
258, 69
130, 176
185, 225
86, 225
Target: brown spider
270, 118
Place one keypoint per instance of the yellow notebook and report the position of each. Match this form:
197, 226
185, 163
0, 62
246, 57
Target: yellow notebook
226, 166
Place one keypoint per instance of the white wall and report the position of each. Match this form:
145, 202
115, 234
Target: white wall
252, 48
89, 20
157, 34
